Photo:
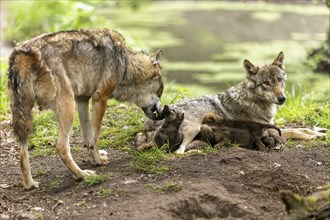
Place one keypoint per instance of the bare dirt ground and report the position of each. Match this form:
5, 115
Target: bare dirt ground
233, 183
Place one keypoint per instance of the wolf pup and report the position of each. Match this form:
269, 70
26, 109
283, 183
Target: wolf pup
253, 99
252, 135
57, 70
170, 132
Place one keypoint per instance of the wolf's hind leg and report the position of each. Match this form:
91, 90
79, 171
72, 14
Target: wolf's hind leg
65, 114
85, 122
190, 130
28, 182
301, 134
99, 107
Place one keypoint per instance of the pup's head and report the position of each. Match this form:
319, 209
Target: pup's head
211, 118
267, 82
172, 115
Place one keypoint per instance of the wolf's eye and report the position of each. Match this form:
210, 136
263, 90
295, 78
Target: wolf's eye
266, 83
279, 79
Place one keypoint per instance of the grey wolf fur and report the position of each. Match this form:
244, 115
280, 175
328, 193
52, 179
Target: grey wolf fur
253, 99
170, 133
57, 70
216, 129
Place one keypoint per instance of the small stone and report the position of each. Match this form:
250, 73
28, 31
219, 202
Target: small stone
277, 165
37, 209
4, 216
85, 194
60, 202
4, 186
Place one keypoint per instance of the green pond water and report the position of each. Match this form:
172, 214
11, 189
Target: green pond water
205, 42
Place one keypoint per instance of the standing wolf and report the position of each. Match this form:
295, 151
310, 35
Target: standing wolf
253, 99
60, 69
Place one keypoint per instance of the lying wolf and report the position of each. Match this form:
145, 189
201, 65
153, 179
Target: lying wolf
216, 130
253, 99
57, 70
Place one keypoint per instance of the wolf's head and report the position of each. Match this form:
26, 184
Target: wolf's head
143, 83
267, 82
173, 116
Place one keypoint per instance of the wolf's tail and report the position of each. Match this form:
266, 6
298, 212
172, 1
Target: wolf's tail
20, 88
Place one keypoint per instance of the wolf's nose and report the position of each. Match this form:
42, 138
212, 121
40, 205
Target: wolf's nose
281, 99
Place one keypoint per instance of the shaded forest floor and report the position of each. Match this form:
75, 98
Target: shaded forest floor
231, 183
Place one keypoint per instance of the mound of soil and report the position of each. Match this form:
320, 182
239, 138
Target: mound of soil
233, 183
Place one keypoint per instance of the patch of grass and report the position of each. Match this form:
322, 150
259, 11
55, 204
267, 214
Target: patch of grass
42, 151
305, 108
46, 128
4, 102
40, 173
96, 179
168, 187
103, 193
37, 215
120, 125
54, 183
149, 161
31, 18
44, 137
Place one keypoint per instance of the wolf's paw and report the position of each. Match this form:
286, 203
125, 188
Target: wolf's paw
104, 157
85, 173
180, 151
99, 159
31, 185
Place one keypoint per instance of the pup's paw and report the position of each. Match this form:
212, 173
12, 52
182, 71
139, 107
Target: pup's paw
31, 185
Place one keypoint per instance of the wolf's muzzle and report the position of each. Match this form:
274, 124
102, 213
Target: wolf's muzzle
154, 112
281, 100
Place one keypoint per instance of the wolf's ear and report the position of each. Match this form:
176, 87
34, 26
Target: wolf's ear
182, 116
279, 61
250, 68
157, 57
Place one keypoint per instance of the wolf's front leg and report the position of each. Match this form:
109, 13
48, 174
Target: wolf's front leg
190, 130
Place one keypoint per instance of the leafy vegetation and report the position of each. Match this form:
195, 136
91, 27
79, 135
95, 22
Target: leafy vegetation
31, 18
150, 161
4, 102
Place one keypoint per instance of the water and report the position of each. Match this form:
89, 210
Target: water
206, 42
